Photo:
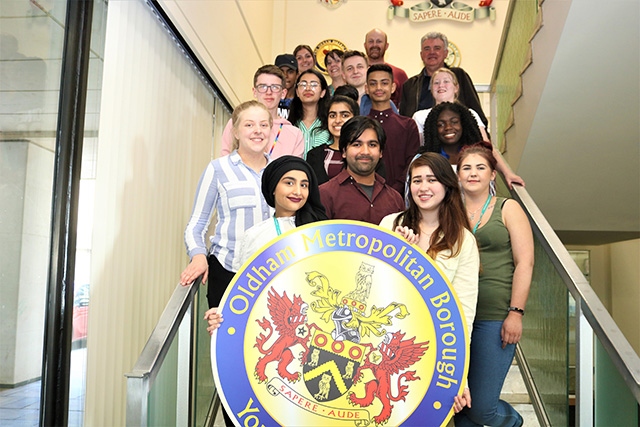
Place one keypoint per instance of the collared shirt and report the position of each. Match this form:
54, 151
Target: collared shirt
343, 198
366, 105
312, 137
233, 190
285, 139
403, 142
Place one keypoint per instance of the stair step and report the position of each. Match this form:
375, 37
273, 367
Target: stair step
514, 390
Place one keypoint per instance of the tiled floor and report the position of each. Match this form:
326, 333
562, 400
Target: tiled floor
20, 406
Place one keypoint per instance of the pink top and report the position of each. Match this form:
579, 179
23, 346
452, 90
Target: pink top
290, 140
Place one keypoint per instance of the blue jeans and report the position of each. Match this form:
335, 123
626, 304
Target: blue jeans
488, 367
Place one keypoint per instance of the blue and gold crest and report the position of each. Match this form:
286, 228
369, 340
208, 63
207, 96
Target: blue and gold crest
340, 323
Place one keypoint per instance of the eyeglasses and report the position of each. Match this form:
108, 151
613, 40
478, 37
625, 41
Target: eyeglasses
311, 85
264, 88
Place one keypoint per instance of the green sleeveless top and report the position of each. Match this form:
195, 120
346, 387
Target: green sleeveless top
496, 260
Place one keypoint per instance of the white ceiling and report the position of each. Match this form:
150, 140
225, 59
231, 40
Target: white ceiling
581, 161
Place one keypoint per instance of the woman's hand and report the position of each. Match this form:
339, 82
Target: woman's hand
511, 329
459, 402
511, 178
196, 268
408, 234
213, 318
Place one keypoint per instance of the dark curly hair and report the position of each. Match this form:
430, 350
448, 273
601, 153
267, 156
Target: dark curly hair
295, 111
470, 131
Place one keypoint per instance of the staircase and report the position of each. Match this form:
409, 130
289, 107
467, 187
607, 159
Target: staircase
515, 393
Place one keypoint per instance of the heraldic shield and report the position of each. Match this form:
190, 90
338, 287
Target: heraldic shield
340, 324
331, 366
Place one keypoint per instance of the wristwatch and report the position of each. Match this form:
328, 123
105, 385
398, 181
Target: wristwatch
516, 309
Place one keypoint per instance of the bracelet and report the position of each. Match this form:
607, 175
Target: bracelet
516, 309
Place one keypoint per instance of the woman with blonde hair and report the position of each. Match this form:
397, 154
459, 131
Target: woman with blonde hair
229, 186
445, 88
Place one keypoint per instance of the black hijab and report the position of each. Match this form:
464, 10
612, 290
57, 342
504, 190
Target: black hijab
313, 210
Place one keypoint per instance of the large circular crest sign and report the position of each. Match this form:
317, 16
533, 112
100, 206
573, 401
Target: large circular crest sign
340, 323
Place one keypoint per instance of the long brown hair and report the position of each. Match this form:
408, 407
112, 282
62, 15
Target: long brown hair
452, 218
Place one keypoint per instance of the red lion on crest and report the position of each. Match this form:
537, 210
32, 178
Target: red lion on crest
395, 355
290, 319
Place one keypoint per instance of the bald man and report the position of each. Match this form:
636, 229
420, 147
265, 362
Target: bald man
376, 44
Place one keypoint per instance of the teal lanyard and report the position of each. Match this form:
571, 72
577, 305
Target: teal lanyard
275, 220
484, 209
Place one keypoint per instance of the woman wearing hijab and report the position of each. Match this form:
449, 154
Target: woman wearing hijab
290, 186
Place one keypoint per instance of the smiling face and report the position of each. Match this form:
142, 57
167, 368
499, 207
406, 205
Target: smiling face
475, 173
449, 128
339, 113
375, 44
354, 70
427, 192
334, 66
291, 193
443, 87
252, 130
363, 154
433, 54
309, 89
305, 60
269, 98
380, 86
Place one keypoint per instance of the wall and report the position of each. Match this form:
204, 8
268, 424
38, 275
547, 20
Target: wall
615, 277
231, 38
25, 196
625, 286
310, 22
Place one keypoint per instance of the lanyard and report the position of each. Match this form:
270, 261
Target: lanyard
275, 220
484, 209
276, 141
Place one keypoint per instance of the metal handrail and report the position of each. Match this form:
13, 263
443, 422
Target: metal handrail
147, 367
606, 330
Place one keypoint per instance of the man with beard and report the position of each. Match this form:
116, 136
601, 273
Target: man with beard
416, 92
376, 45
358, 192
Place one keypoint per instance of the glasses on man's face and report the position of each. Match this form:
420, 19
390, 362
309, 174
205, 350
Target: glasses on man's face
264, 88
311, 85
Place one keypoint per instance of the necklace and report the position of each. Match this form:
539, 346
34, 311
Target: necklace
473, 214
484, 209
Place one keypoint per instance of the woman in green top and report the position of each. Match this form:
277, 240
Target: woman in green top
308, 110
505, 241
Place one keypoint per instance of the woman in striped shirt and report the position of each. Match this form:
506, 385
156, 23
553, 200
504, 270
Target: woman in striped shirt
230, 186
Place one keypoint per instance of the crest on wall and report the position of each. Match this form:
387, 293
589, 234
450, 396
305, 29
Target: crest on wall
332, 4
451, 10
323, 48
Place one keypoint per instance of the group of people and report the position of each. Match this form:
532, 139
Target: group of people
325, 161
